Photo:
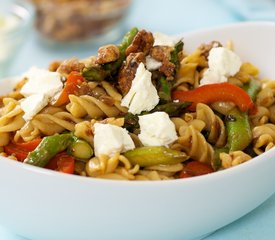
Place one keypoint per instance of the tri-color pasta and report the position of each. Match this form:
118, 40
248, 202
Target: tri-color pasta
218, 124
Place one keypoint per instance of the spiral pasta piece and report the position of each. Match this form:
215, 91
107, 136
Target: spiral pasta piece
213, 125
188, 71
116, 167
266, 97
264, 138
48, 122
11, 119
194, 144
233, 158
261, 116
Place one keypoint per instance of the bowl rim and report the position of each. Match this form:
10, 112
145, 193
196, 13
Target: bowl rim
256, 161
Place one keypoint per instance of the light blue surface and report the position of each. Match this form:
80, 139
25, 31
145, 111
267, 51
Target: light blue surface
171, 17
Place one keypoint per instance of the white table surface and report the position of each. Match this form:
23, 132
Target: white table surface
170, 17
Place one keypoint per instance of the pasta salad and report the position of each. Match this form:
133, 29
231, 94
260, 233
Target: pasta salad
141, 110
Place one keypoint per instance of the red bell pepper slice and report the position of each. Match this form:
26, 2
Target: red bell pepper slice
21, 149
225, 92
71, 86
195, 168
62, 162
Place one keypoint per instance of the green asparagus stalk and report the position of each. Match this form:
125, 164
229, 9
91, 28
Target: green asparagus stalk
48, 148
175, 54
150, 156
80, 149
164, 89
173, 109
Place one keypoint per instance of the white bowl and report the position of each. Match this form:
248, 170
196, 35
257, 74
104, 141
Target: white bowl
42, 204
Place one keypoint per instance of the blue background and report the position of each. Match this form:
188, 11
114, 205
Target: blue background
170, 17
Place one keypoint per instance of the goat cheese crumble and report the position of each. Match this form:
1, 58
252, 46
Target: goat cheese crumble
222, 63
143, 95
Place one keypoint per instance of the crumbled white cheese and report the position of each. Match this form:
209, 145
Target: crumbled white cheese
142, 95
41, 81
110, 139
222, 63
32, 105
40, 87
156, 129
165, 40
152, 64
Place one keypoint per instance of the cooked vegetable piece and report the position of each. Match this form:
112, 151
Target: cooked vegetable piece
225, 92
131, 122
71, 85
150, 156
252, 88
238, 130
62, 162
195, 168
48, 148
21, 150
164, 89
173, 109
95, 73
175, 54
80, 149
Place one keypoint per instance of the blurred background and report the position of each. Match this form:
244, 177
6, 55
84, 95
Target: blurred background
60, 29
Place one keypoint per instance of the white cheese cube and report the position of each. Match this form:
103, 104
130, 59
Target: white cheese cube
33, 104
156, 129
222, 63
152, 64
110, 139
165, 40
41, 81
142, 95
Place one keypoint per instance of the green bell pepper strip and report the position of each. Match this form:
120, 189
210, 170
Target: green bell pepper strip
48, 148
150, 156
238, 130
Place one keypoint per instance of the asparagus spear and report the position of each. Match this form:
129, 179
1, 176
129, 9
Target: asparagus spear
175, 53
164, 89
150, 156
48, 148
80, 149
173, 109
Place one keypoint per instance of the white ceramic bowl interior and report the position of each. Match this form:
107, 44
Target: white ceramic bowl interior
44, 205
